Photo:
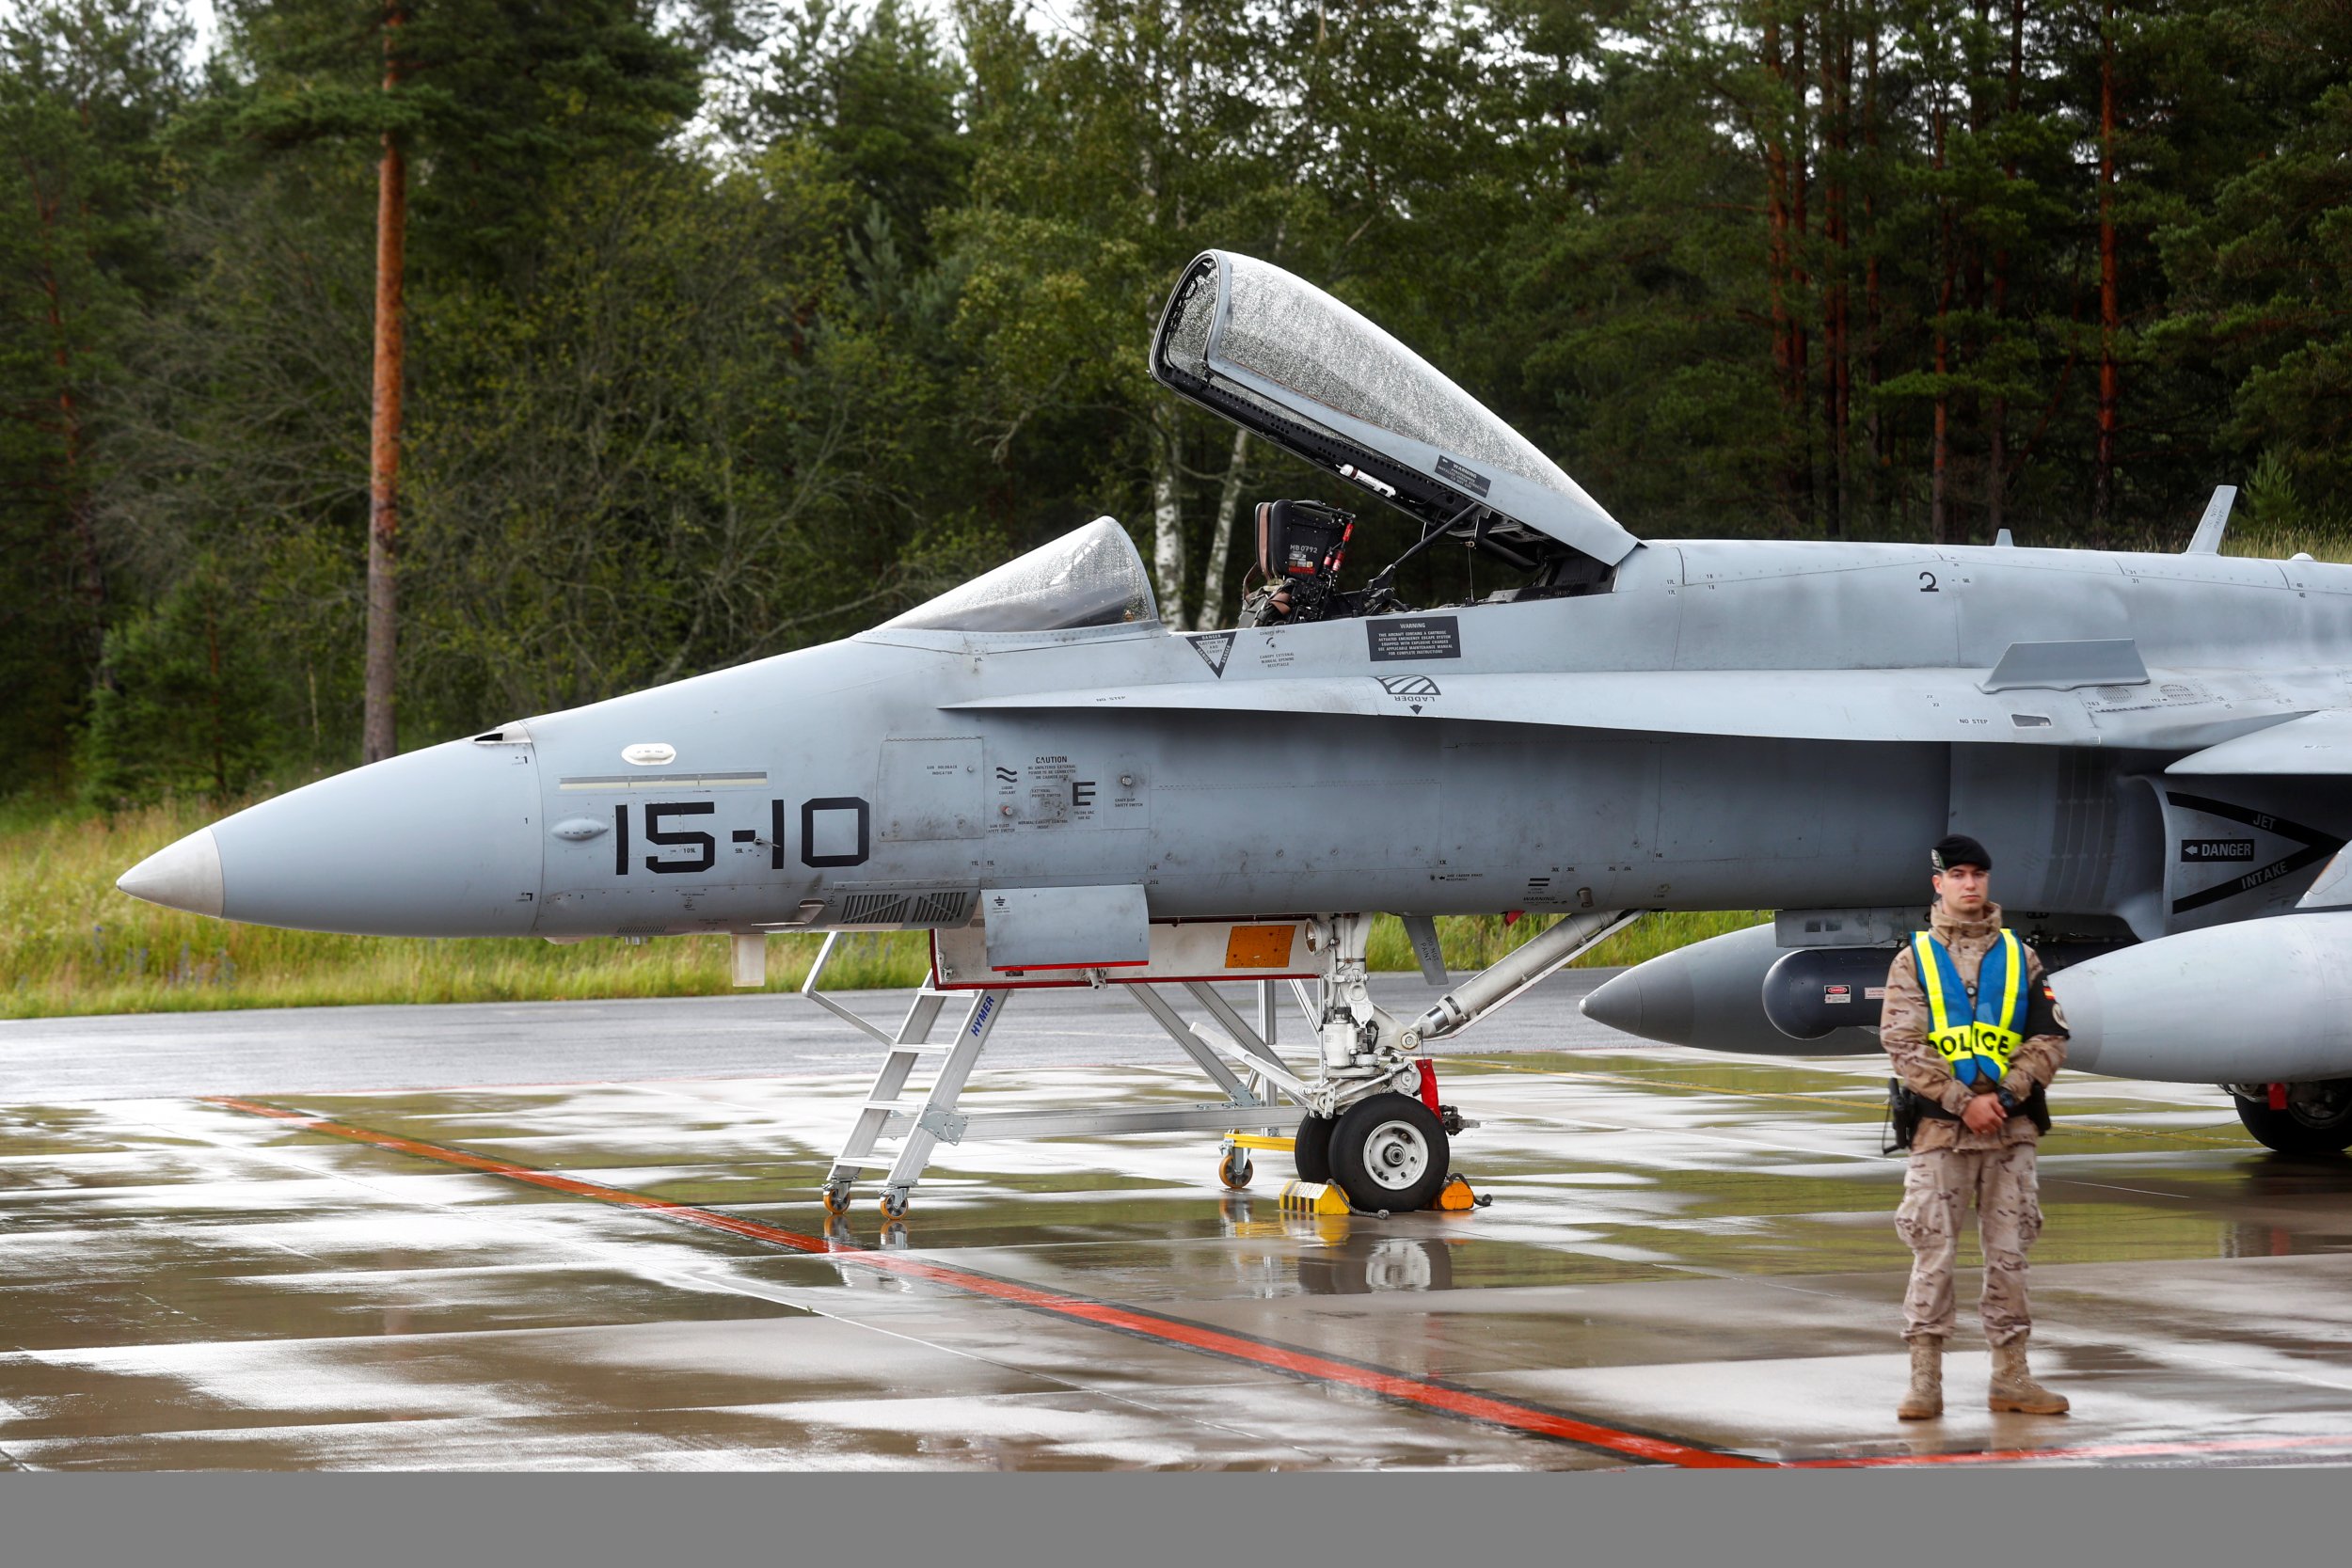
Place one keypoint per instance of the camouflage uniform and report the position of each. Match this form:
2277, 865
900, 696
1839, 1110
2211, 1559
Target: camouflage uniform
1950, 1166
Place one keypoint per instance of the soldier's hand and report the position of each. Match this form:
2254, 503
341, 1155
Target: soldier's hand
1984, 1114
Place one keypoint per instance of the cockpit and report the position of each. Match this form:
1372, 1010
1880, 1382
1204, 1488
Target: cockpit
1295, 367
1291, 364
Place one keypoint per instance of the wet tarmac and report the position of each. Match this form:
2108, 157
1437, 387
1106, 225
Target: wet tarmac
1688, 1261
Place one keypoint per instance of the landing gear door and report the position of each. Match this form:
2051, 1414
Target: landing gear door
1066, 928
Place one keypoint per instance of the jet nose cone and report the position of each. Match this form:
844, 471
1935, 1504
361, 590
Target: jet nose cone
436, 842
183, 876
1651, 1000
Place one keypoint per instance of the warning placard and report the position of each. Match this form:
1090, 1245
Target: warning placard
1414, 636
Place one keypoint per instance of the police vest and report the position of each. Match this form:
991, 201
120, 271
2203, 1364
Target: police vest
1975, 1036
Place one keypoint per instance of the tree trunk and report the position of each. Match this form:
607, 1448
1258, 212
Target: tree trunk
1799, 273
1221, 535
378, 738
1971, 240
1167, 528
1996, 457
1939, 459
73, 486
2110, 376
220, 722
1838, 382
1874, 418
1777, 254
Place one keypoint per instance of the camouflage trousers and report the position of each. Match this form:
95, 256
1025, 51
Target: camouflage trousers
1937, 1189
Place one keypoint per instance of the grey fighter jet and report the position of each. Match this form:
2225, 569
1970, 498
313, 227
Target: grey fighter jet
1035, 770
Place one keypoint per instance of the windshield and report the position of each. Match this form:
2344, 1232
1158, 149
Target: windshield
1089, 577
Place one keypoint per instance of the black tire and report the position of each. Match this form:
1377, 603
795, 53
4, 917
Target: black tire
1311, 1151
1389, 1152
2299, 1131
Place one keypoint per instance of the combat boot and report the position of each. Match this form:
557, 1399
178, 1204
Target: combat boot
1926, 1399
2014, 1388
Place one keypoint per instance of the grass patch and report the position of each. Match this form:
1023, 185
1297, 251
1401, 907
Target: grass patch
1476, 941
70, 943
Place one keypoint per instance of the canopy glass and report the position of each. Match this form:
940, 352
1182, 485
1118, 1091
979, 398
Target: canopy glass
1287, 361
1091, 576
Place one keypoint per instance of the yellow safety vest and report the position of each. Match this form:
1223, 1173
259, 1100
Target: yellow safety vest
1975, 1036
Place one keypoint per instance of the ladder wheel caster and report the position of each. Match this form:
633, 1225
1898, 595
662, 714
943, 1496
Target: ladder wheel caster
836, 1200
893, 1206
1234, 1170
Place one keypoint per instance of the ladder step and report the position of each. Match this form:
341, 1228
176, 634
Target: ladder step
892, 1105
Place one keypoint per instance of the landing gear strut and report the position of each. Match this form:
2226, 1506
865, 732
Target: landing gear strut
1367, 1129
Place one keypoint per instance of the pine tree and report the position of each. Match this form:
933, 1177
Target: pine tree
184, 708
494, 100
85, 88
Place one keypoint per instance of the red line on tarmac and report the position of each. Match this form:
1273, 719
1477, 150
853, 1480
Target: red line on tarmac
1306, 1365
2095, 1451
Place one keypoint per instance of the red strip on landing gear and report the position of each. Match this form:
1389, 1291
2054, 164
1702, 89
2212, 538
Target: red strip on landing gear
1306, 1365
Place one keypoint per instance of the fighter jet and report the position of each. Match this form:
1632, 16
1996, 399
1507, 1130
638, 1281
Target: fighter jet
1060, 788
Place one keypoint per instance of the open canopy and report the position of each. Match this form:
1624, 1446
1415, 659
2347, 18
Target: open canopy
1090, 577
1282, 358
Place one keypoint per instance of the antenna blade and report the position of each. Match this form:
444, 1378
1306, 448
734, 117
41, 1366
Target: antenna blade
2209, 527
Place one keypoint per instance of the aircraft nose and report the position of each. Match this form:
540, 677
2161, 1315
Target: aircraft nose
441, 842
180, 876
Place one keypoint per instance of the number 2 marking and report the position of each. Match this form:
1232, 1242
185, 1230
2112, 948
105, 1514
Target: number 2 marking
1927, 582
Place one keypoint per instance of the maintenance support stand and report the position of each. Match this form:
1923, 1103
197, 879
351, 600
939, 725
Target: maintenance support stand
1248, 1101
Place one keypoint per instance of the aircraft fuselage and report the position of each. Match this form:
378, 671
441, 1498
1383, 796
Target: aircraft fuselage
1440, 762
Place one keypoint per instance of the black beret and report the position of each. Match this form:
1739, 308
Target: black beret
1959, 849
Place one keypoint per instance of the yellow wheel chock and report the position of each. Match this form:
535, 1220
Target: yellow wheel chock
1314, 1197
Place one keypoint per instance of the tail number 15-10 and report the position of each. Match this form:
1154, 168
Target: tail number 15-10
834, 820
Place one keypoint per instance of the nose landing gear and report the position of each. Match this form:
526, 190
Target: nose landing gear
1389, 1151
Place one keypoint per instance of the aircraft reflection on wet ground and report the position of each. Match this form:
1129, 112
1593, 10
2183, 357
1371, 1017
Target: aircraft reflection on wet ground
1689, 1261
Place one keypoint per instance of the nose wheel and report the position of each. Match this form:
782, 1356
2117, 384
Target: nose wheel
1310, 1149
1389, 1152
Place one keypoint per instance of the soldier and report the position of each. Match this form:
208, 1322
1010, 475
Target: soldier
1976, 1037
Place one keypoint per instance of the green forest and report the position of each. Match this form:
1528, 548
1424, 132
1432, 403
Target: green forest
722, 328
733, 327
